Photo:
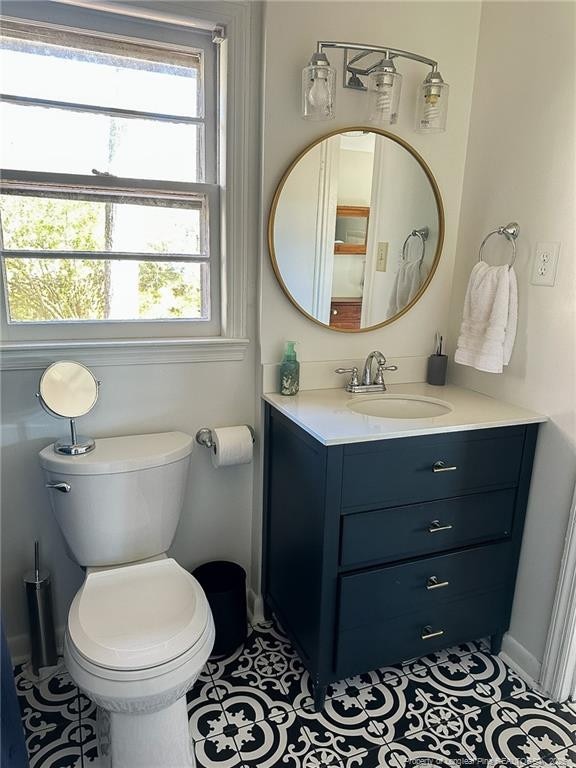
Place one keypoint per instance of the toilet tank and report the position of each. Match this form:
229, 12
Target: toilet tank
124, 499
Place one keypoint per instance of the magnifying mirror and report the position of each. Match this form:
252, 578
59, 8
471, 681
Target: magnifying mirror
68, 390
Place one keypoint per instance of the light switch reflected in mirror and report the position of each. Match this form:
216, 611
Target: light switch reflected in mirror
356, 229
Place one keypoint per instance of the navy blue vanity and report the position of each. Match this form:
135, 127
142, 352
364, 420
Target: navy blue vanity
379, 551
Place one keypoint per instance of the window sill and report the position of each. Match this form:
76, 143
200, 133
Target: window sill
30, 355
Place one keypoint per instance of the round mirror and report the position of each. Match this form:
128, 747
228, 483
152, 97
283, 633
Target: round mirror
68, 389
356, 229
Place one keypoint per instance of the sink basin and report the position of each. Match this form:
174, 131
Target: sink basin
400, 407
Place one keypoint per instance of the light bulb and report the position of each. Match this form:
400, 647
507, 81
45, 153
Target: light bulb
318, 84
432, 104
384, 100
431, 111
384, 85
319, 94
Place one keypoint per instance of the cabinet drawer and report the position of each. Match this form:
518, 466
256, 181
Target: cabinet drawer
403, 471
345, 314
396, 590
397, 533
393, 640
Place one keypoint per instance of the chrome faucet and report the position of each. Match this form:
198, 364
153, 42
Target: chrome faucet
367, 383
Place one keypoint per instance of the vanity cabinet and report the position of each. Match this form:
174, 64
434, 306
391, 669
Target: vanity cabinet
346, 313
380, 551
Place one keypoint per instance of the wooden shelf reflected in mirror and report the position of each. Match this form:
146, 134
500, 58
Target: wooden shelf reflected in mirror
351, 229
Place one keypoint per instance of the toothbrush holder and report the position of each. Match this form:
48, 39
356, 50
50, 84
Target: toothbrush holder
437, 366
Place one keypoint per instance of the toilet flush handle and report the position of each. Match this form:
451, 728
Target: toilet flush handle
62, 487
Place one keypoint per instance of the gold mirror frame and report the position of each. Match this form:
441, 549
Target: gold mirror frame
435, 189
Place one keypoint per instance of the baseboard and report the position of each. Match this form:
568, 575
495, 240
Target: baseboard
19, 646
521, 661
255, 607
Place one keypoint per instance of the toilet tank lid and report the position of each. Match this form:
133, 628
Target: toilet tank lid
121, 454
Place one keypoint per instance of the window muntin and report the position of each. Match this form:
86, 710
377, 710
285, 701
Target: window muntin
131, 252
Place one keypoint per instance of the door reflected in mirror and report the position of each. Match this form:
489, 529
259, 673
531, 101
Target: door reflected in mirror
356, 229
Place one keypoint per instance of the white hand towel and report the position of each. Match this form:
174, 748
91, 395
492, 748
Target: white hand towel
489, 319
406, 285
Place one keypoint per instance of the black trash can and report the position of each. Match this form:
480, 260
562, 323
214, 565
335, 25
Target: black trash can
225, 586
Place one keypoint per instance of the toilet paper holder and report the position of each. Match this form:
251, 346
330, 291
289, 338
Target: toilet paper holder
204, 436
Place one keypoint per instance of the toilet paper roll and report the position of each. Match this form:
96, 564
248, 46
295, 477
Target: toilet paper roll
232, 445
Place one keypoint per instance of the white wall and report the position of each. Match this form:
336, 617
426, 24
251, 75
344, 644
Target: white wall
446, 31
354, 176
520, 166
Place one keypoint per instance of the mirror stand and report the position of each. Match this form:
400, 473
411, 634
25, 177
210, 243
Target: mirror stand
68, 390
77, 445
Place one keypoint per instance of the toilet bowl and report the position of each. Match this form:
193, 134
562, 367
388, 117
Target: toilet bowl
139, 629
137, 639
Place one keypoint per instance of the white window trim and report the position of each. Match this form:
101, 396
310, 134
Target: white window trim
238, 58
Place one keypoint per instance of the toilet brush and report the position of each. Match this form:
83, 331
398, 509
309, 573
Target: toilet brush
40, 616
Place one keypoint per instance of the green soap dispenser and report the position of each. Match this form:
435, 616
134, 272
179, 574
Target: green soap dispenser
289, 371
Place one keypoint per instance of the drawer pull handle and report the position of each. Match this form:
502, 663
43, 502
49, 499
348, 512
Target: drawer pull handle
440, 466
428, 633
436, 526
433, 583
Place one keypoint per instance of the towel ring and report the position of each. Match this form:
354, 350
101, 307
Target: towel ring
510, 232
422, 235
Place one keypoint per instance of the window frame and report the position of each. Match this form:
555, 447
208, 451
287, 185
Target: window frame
235, 65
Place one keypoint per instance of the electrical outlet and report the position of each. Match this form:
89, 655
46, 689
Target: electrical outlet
545, 263
382, 257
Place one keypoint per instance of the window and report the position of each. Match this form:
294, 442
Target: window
109, 206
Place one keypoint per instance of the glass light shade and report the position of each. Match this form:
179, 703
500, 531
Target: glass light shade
432, 105
318, 89
384, 86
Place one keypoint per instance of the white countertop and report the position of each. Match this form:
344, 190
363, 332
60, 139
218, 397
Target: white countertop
324, 414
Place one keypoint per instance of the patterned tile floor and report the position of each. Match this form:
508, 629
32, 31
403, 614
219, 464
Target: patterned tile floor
253, 709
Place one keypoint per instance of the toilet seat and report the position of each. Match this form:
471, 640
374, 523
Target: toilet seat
138, 616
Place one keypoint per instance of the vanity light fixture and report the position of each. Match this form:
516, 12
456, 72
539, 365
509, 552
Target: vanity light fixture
379, 78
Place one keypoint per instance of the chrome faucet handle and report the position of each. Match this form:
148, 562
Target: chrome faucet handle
380, 372
354, 381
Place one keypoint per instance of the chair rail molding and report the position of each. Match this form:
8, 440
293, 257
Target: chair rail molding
558, 676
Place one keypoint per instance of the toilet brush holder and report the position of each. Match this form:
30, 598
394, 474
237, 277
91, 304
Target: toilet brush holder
40, 616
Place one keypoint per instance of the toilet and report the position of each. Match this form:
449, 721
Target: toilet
139, 629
